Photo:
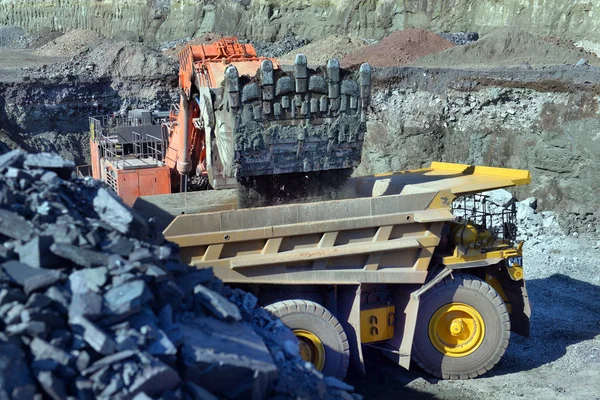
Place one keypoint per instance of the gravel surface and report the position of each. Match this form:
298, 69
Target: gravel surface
399, 48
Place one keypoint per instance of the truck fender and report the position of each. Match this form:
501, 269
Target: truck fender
405, 327
349, 316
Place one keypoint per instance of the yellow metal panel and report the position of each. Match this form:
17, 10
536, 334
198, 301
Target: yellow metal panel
377, 324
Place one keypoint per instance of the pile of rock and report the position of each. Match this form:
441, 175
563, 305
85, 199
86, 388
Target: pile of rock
94, 303
399, 48
70, 44
460, 38
282, 46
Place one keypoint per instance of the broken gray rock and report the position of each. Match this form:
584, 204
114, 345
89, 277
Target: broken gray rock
13, 157
115, 213
241, 355
94, 336
20, 272
154, 378
127, 298
14, 226
54, 387
42, 350
218, 305
36, 252
87, 304
85, 258
15, 379
42, 281
500, 197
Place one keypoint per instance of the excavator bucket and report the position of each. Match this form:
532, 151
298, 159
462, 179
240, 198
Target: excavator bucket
262, 119
281, 123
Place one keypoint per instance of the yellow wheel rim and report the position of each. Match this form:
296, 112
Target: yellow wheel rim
311, 348
456, 330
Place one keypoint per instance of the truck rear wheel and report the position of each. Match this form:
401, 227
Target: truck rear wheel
322, 339
463, 328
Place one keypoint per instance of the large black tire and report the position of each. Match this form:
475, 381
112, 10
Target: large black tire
468, 291
310, 316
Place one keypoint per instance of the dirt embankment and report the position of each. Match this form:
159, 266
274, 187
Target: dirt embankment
70, 44
321, 51
505, 47
399, 48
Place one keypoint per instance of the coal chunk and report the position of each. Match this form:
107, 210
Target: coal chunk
241, 355
8, 295
126, 299
36, 252
94, 336
78, 255
107, 361
87, 304
115, 213
15, 378
14, 226
154, 379
29, 328
43, 350
20, 273
12, 158
88, 278
42, 281
51, 161
54, 387
218, 305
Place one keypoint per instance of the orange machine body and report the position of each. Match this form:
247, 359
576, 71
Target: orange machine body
126, 155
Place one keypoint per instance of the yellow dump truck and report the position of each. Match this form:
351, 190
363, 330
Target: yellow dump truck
414, 264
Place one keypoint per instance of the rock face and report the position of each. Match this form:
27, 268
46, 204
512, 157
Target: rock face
94, 303
545, 121
268, 20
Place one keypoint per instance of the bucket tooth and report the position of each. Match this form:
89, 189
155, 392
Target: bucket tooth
365, 84
301, 73
323, 104
314, 105
233, 86
333, 75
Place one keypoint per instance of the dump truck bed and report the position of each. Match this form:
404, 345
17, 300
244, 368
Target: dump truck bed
382, 232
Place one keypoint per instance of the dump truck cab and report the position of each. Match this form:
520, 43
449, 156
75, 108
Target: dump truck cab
407, 263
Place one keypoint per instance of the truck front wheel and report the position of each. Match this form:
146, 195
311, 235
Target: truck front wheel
463, 328
321, 337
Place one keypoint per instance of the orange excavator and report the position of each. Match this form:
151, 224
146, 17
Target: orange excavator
240, 117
